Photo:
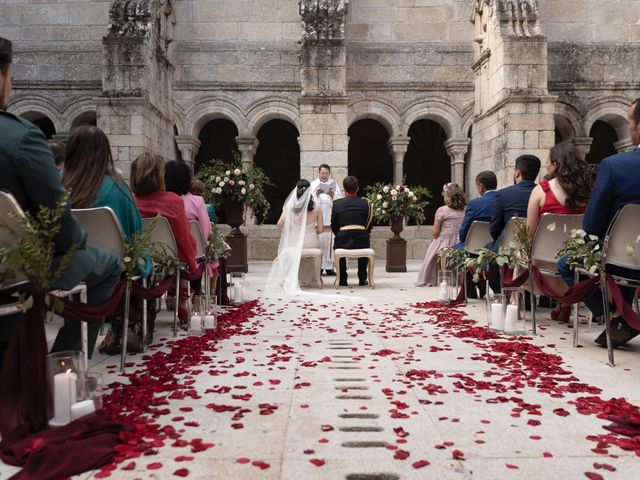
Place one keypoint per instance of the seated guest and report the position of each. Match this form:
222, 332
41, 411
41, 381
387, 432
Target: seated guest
91, 177
565, 190
478, 209
512, 202
617, 184
197, 188
147, 183
57, 148
30, 175
445, 231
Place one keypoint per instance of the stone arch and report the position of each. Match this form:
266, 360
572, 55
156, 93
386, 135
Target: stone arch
33, 105
568, 120
178, 118
466, 121
210, 108
271, 108
612, 110
376, 109
78, 112
436, 109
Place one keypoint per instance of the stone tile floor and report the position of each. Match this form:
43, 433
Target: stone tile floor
346, 397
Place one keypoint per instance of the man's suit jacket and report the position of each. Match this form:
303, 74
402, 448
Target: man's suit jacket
351, 210
617, 184
477, 209
509, 202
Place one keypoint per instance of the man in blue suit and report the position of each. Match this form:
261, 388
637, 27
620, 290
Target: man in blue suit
511, 202
617, 184
478, 209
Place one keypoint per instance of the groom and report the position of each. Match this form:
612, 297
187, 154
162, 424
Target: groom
351, 224
325, 190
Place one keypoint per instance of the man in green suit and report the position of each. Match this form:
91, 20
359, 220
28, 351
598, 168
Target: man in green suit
29, 173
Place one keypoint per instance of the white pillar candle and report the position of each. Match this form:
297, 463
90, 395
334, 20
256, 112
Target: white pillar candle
64, 394
511, 318
81, 409
496, 316
237, 293
209, 322
196, 323
443, 293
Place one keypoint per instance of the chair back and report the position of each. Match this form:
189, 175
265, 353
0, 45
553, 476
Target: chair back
196, 232
509, 232
478, 236
103, 229
163, 232
10, 212
623, 232
552, 230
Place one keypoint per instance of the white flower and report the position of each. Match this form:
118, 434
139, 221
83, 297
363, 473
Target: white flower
384, 211
385, 189
385, 204
213, 190
379, 197
226, 179
237, 171
398, 187
227, 173
221, 184
218, 190
251, 186
243, 191
394, 198
218, 179
126, 259
240, 182
394, 192
231, 182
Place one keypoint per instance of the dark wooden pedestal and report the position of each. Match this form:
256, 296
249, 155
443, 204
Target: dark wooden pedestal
396, 255
237, 261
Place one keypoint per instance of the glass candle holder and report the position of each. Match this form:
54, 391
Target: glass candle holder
196, 317
495, 316
237, 287
444, 282
513, 310
89, 393
63, 370
211, 316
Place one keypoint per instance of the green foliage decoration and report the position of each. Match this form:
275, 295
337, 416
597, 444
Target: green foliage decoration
390, 200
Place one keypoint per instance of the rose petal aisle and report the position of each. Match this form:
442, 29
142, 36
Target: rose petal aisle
408, 390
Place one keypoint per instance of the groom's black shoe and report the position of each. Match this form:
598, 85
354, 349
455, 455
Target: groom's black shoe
343, 283
363, 283
330, 273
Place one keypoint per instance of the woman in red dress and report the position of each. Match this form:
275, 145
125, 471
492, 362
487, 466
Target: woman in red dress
565, 190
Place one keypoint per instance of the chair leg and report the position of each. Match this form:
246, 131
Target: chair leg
636, 303
575, 309
84, 332
175, 311
607, 317
534, 327
336, 266
125, 326
372, 267
144, 319
207, 292
466, 287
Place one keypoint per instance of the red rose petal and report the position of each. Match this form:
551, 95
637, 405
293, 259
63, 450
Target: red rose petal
154, 466
242, 460
593, 476
511, 466
401, 455
181, 472
457, 455
129, 466
420, 464
260, 464
318, 462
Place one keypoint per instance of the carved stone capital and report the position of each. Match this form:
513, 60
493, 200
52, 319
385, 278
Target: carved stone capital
323, 20
457, 148
516, 18
398, 145
188, 147
247, 147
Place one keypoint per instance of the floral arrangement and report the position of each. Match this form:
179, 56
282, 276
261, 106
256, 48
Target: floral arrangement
584, 251
217, 245
228, 182
137, 248
390, 200
451, 257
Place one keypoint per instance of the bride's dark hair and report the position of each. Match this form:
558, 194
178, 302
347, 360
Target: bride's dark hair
301, 186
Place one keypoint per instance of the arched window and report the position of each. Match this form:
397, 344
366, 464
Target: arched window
604, 137
218, 139
369, 158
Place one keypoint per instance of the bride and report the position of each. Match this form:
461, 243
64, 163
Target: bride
300, 223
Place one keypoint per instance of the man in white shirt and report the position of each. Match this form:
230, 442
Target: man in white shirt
325, 191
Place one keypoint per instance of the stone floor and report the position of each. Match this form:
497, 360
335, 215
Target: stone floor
382, 390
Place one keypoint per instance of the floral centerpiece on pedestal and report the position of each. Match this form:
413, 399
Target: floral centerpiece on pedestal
393, 202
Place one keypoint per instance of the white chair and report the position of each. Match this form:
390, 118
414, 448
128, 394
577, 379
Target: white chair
478, 237
201, 248
622, 234
345, 253
104, 231
316, 255
10, 213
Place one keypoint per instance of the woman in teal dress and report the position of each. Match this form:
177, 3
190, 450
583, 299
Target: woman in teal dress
90, 175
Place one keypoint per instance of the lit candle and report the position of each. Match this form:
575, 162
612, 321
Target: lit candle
511, 318
443, 293
237, 293
64, 394
496, 316
196, 323
209, 322
83, 408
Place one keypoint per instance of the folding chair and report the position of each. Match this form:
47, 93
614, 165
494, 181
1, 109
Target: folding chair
104, 231
164, 234
478, 236
201, 248
551, 232
509, 237
622, 233
10, 212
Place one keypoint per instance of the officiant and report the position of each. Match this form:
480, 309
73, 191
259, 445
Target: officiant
325, 191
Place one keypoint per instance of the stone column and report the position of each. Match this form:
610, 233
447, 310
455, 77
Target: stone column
248, 147
398, 147
624, 145
61, 137
188, 147
583, 144
457, 148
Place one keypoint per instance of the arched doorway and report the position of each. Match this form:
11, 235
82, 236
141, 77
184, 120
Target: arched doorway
278, 154
218, 140
369, 159
604, 139
42, 122
427, 163
85, 118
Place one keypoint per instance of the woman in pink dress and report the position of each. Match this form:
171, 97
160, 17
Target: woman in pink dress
445, 231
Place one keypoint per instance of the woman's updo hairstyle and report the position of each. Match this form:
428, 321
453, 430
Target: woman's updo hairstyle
301, 187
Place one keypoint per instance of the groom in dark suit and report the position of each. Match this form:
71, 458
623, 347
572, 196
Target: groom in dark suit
351, 224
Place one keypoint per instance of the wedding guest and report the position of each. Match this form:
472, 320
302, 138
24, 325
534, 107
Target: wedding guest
57, 148
29, 174
147, 183
617, 184
91, 177
565, 190
446, 226
197, 188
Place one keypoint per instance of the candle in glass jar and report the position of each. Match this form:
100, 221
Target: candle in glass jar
196, 323
237, 293
209, 322
83, 408
496, 316
443, 293
511, 318
64, 394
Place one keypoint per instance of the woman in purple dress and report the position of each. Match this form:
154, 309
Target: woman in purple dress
446, 226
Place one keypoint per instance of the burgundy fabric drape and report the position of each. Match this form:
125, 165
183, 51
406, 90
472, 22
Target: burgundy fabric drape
576, 293
509, 282
223, 287
93, 313
84, 444
631, 317
190, 277
153, 293
25, 400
